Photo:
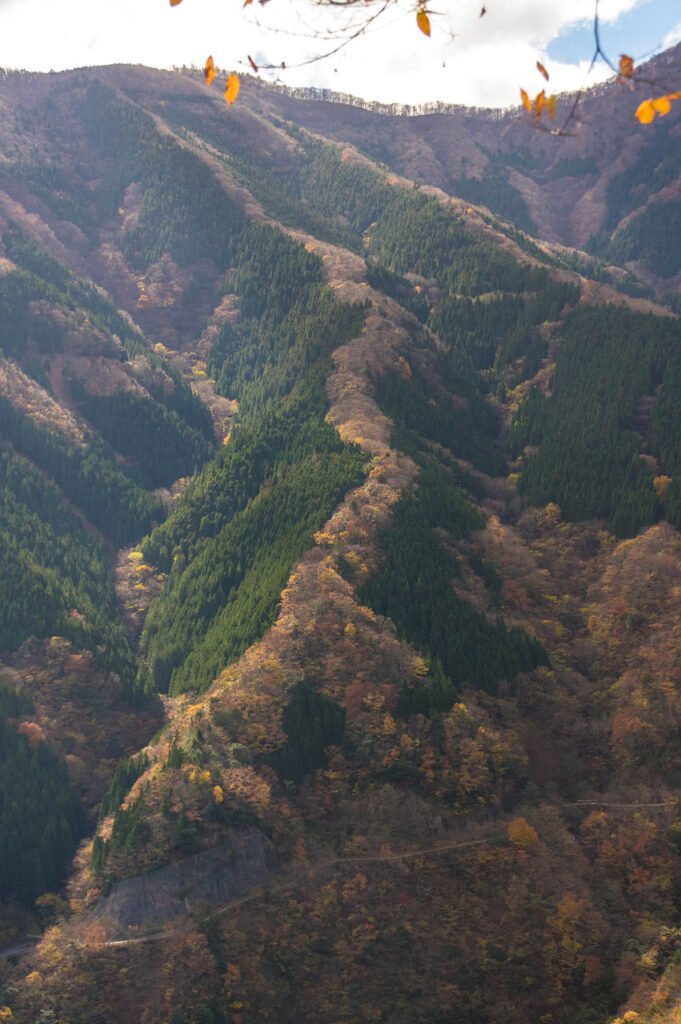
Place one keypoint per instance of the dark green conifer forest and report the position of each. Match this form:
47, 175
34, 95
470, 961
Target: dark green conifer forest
41, 818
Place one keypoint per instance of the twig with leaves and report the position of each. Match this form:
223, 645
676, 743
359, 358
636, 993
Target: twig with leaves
626, 74
537, 107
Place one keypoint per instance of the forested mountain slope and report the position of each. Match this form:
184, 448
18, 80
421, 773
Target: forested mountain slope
343, 517
609, 185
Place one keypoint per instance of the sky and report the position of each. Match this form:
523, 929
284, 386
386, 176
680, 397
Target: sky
469, 59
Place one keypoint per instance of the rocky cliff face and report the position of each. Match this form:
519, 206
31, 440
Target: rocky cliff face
216, 877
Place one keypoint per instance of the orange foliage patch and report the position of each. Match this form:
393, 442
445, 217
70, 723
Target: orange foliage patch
32, 731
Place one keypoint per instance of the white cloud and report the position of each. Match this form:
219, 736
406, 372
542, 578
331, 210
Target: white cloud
468, 59
673, 37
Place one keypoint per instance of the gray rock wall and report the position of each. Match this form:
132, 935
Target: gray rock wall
213, 876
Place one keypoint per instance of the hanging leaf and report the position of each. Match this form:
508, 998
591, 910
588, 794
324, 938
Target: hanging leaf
525, 100
626, 66
253, 64
542, 70
423, 21
662, 106
647, 110
551, 106
209, 71
174, 3
231, 89
539, 104
247, 2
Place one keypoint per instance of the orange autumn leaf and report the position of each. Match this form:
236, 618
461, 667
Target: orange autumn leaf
542, 70
551, 106
539, 104
209, 70
174, 3
231, 89
423, 21
247, 2
662, 106
647, 110
626, 66
526, 100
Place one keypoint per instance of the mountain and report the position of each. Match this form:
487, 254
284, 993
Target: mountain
339, 557
601, 186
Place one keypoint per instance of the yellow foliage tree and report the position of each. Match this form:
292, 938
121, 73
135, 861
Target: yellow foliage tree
521, 833
661, 484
